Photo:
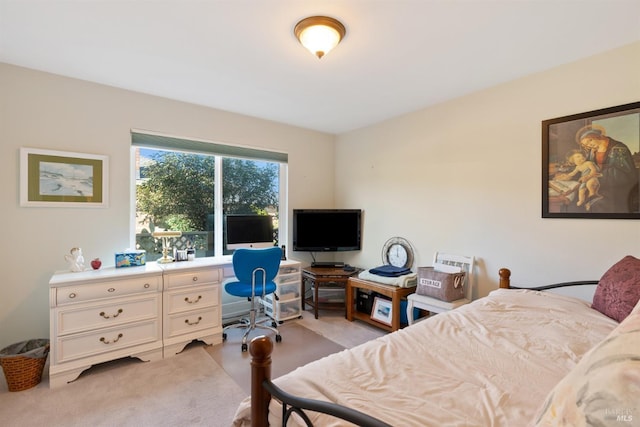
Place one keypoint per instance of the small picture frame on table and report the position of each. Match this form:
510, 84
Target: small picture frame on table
382, 311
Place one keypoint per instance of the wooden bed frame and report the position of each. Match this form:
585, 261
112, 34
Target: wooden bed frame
262, 389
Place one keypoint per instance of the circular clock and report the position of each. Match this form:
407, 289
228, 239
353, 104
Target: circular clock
398, 252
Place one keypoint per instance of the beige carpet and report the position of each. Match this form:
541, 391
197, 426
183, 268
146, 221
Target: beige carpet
333, 326
201, 386
299, 346
187, 390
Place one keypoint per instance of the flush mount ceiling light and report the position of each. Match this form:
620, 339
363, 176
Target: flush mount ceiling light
319, 34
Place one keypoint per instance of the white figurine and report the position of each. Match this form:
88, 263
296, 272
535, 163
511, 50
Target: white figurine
75, 259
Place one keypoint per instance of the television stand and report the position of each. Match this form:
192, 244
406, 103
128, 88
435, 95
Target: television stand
327, 264
328, 279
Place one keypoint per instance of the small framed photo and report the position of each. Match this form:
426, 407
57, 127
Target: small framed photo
382, 311
63, 179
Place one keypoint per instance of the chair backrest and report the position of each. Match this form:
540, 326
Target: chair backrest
245, 261
466, 263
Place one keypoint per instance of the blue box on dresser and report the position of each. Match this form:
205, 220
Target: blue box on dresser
131, 258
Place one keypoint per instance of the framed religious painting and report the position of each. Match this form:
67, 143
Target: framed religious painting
591, 164
63, 179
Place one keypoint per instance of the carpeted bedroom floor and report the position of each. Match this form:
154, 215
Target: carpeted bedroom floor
299, 346
201, 386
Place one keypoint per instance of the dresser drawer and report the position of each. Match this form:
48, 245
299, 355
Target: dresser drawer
78, 319
192, 321
288, 291
111, 289
281, 310
191, 299
288, 278
193, 278
289, 269
81, 345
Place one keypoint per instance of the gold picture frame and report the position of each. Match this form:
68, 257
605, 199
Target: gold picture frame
63, 179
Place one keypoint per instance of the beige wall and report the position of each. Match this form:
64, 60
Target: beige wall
465, 177
45, 111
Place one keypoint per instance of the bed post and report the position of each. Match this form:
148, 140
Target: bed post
505, 281
260, 349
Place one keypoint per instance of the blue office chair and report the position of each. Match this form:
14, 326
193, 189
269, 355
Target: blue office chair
255, 270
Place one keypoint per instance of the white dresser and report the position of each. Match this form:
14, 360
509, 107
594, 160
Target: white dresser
191, 300
149, 312
97, 316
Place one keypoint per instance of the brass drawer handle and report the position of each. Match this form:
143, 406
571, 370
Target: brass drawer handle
194, 301
106, 316
104, 340
147, 286
72, 295
193, 323
194, 278
111, 290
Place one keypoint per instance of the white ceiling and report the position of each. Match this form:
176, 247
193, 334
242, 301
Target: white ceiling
241, 55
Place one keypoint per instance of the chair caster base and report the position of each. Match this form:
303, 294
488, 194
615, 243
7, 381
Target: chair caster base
224, 337
278, 338
244, 348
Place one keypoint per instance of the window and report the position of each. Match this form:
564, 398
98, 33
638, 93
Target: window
191, 186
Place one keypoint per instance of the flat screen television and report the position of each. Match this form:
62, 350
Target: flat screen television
327, 230
248, 231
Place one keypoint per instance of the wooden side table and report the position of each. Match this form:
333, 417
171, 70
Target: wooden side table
395, 293
327, 278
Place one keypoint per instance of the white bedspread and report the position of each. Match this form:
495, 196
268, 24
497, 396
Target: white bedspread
489, 363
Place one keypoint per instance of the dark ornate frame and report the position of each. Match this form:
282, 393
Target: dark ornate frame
613, 198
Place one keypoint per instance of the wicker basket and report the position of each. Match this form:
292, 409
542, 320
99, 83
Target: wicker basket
23, 363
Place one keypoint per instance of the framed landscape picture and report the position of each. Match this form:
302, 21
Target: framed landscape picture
382, 311
59, 178
591, 164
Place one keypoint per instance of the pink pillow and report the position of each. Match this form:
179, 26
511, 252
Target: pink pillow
619, 289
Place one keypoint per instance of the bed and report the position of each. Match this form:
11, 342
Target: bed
516, 357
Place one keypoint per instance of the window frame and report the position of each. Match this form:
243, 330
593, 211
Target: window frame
159, 141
